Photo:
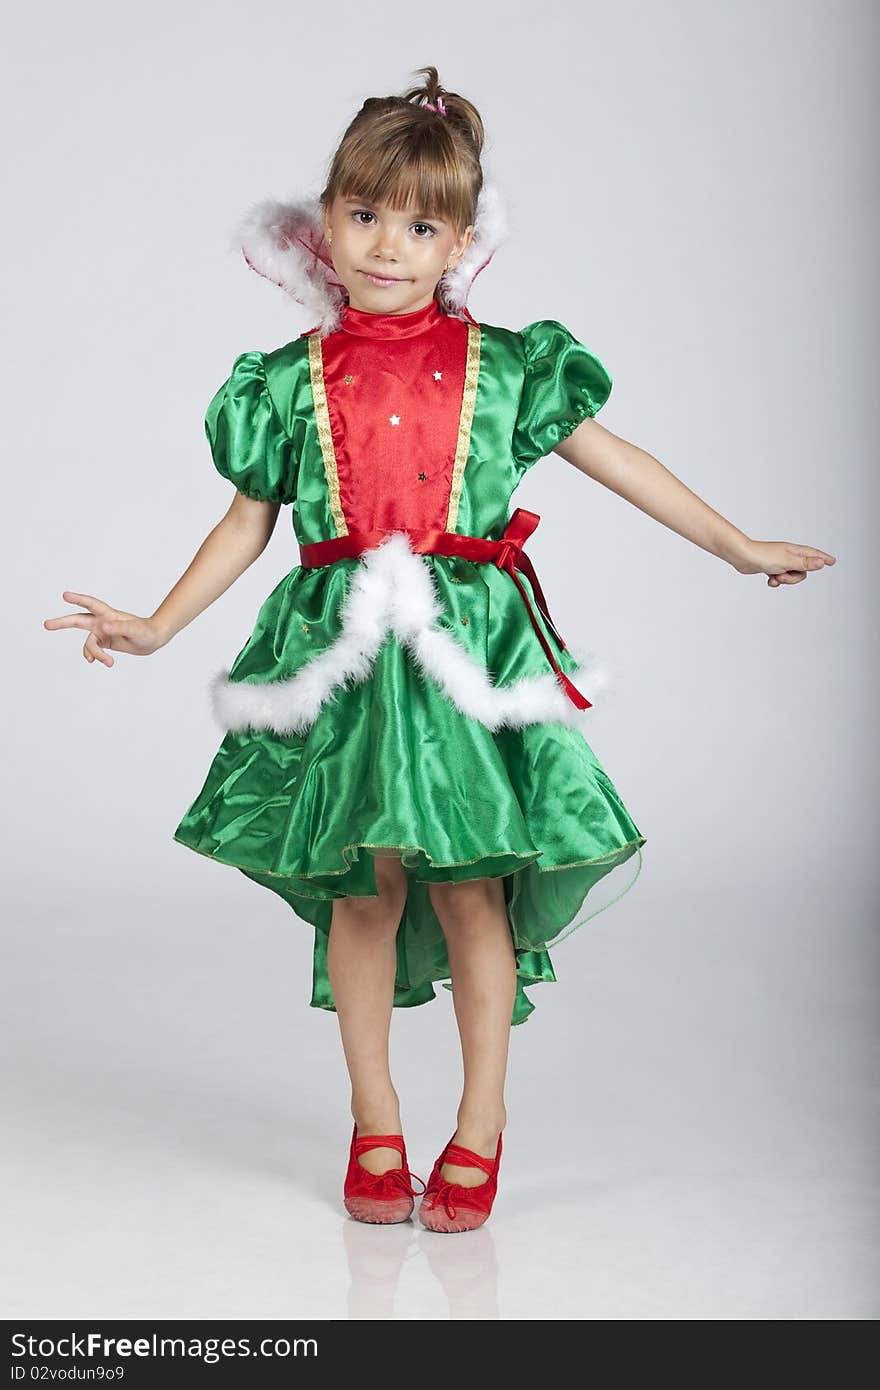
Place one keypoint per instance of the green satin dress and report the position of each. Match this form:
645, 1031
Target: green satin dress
387, 760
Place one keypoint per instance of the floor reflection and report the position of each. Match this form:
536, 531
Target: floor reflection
463, 1263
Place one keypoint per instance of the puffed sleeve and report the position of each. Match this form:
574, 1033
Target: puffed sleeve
563, 384
248, 442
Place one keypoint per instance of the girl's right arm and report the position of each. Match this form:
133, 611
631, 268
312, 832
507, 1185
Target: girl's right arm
224, 555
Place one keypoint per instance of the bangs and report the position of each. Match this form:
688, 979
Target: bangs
401, 175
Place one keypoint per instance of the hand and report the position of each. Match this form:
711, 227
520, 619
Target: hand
784, 561
109, 627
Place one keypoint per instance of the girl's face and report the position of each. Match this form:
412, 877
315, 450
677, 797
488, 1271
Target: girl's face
390, 261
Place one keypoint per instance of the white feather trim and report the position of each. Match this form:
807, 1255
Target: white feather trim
285, 243
392, 589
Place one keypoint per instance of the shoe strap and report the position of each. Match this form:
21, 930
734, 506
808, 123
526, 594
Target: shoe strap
466, 1158
364, 1142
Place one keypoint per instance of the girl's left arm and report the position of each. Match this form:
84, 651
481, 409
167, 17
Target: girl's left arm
640, 478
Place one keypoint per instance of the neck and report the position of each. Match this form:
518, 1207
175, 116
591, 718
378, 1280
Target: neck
355, 303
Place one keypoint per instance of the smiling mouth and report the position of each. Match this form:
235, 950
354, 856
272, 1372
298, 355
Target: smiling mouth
371, 275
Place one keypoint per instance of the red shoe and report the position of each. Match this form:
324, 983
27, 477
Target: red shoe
448, 1206
379, 1197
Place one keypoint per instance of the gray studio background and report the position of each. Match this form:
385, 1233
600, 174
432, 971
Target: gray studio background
692, 1107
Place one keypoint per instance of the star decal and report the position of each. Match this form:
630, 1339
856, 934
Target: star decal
395, 419
438, 376
423, 477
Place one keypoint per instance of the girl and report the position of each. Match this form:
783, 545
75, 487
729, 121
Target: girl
403, 758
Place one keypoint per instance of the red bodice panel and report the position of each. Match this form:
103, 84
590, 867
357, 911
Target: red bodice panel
394, 385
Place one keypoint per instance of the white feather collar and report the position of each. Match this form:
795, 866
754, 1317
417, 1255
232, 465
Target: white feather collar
284, 242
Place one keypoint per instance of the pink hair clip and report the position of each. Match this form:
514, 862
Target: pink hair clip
439, 108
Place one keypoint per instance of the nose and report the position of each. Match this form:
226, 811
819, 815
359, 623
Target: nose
385, 247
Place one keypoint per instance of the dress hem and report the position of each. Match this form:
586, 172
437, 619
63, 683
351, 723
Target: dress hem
528, 859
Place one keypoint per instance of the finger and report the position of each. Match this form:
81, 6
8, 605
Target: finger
811, 559
814, 553
84, 620
94, 651
97, 605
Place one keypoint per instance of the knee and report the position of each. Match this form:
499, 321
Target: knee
458, 905
385, 910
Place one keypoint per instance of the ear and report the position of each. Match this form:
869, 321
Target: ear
464, 240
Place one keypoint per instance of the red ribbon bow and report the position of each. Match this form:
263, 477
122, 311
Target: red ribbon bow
507, 553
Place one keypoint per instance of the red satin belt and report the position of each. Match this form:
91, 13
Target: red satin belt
507, 553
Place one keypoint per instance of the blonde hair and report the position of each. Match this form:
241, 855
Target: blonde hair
398, 151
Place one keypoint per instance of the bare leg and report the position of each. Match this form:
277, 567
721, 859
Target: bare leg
473, 916
361, 965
